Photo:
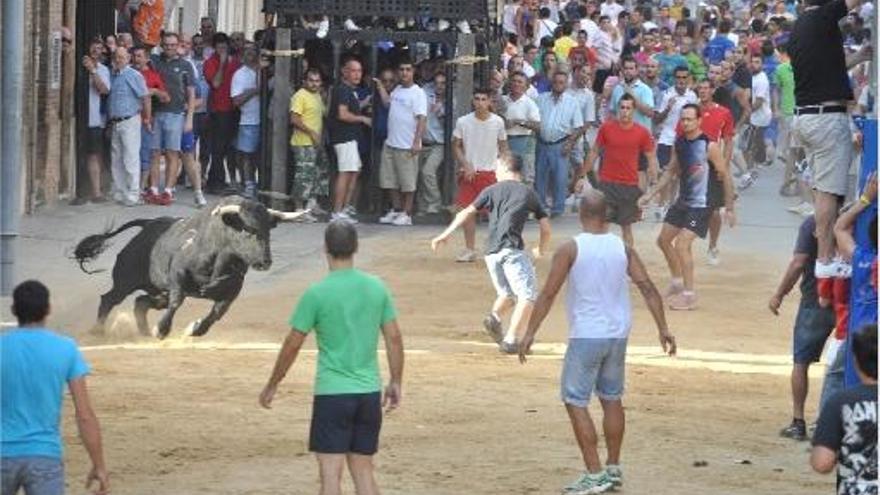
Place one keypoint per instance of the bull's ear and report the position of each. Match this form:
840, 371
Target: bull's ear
233, 220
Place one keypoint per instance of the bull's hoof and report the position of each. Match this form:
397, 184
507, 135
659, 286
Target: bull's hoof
192, 328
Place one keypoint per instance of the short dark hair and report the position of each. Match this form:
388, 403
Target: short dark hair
219, 38
30, 302
340, 239
864, 347
692, 106
681, 68
483, 91
513, 164
404, 60
626, 97
724, 26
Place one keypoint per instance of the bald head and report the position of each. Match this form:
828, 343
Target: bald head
593, 206
120, 58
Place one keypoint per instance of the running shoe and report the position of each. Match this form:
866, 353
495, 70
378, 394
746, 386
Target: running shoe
682, 302
351, 26
615, 474
508, 348
402, 220
747, 181
165, 199
589, 484
199, 199
350, 211
342, 217
493, 327
713, 257
389, 217
797, 430
467, 256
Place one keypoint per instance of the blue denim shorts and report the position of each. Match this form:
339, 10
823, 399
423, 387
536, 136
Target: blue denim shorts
248, 140
167, 131
812, 326
187, 142
513, 274
593, 364
36, 475
146, 148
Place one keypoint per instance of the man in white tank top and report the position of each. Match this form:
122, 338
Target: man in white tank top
596, 265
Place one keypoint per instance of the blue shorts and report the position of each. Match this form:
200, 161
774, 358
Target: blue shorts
248, 140
346, 423
167, 131
146, 148
35, 474
812, 326
188, 142
593, 364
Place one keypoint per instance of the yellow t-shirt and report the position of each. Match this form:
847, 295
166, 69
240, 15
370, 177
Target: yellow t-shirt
310, 107
562, 47
675, 12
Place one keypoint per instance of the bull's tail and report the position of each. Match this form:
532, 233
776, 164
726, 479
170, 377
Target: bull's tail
92, 246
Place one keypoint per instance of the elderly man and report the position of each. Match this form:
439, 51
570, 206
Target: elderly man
129, 106
245, 93
523, 120
428, 199
562, 124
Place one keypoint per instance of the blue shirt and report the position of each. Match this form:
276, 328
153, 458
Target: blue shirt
668, 63
559, 116
643, 93
716, 48
35, 366
127, 88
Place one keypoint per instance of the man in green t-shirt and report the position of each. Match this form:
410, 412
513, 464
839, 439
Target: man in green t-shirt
346, 310
783, 110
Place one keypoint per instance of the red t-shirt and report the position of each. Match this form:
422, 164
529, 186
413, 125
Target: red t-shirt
836, 290
622, 147
220, 99
716, 123
153, 79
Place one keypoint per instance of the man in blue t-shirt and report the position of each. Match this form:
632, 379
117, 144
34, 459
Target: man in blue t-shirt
35, 363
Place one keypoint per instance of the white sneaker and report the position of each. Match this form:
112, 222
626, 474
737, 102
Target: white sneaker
713, 257
342, 217
464, 27
350, 211
199, 198
442, 25
467, 256
402, 220
323, 28
389, 217
351, 26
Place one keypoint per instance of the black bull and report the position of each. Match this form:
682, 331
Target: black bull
206, 256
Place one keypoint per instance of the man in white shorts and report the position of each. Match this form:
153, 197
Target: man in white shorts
345, 127
597, 266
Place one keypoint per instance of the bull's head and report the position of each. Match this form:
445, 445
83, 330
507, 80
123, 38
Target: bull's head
252, 222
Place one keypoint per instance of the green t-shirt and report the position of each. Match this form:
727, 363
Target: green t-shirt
346, 309
784, 80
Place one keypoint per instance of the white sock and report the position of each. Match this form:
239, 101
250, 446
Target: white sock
510, 336
677, 281
688, 293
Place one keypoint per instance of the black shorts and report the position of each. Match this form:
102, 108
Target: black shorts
599, 80
95, 140
715, 194
622, 201
664, 155
694, 219
346, 423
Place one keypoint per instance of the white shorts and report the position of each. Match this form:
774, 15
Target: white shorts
348, 159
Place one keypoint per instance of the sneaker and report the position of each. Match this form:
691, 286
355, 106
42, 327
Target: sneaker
746, 182
342, 217
674, 288
350, 211
463, 27
165, 199
589, 484
493, 327
199, 199
797, 430
467, 256
508, 348
402, 220
323, 28
389, 217
682, 302
351, 26
150, 197
442, 25
712, 257
799, 208
615, 474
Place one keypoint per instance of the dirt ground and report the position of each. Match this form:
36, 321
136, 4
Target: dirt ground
181, 416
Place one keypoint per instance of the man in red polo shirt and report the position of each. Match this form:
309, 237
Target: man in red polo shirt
621, 142
223, 121
156, 88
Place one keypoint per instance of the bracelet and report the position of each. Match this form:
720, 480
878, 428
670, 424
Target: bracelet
864, 200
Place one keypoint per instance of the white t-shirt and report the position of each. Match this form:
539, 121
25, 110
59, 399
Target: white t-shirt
244, 79
96, 118
480, 139
591, 28
524, 108
508, 19
761, 89
546, 28
667, 127
612, 10
406, 105
528, 70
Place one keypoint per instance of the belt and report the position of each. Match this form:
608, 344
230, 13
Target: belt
432, 144
515, 136
551, 143
120, 119
819, 109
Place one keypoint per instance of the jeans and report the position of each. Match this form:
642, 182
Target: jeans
523, 149
36, 475
551, 163
833, 381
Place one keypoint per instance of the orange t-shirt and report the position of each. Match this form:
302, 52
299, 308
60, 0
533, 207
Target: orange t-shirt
147, 23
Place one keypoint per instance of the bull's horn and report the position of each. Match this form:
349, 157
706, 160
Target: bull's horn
224, 209
286, 216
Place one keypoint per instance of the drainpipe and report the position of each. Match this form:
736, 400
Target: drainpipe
10, 140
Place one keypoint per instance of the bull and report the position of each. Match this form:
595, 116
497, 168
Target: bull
204, 256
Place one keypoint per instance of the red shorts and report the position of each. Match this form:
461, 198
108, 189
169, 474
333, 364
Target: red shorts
469, 190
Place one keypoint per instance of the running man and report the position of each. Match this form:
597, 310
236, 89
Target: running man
597, 266
509, 203
346, 310
694, 156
